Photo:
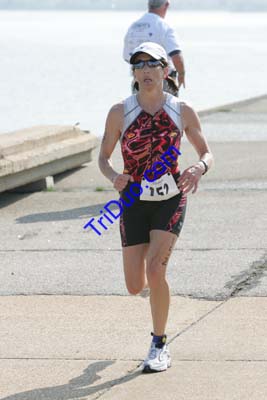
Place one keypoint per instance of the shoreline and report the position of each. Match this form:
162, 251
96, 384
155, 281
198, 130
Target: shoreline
223, 108
227, 107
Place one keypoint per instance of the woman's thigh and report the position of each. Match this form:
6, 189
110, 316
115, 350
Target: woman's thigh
160, 248
134, 266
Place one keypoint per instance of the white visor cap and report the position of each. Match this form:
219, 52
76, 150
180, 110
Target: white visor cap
153, 49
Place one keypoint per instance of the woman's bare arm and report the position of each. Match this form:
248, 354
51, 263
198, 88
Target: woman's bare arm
113, 129
191, 176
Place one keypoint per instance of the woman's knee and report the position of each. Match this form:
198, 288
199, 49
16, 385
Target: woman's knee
135, 282
134, 289
155, 272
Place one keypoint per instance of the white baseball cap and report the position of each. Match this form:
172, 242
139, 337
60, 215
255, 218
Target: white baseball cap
153, 49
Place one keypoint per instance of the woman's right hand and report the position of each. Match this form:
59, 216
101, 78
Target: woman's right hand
121, 180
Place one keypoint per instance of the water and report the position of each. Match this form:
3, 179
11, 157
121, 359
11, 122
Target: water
66, 67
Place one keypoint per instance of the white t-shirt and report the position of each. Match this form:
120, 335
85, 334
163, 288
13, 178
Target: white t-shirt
150, 28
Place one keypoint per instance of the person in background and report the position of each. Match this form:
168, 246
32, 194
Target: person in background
148, 125
151, 27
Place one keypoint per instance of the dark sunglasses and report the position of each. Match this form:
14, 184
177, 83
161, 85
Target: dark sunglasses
150, 63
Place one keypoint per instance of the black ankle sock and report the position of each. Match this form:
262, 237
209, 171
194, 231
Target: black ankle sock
159, 340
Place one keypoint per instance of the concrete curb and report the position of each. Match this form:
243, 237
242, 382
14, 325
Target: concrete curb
29, 155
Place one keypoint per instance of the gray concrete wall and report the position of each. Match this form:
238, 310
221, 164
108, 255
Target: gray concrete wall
32, 154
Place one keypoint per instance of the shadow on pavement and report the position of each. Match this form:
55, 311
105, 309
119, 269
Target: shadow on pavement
74, 213
66, 174
76, 388
8, 198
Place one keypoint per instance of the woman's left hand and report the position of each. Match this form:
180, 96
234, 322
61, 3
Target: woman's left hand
190, 178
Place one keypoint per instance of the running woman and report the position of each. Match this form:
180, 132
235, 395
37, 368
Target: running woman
148, 125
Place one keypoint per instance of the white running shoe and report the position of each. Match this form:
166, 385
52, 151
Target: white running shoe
145, 292
158, 359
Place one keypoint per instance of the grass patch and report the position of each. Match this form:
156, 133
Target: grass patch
225, 110
99, 189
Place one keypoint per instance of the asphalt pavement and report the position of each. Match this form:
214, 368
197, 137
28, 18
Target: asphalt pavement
68, 328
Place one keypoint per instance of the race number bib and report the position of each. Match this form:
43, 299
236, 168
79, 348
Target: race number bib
161, 189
